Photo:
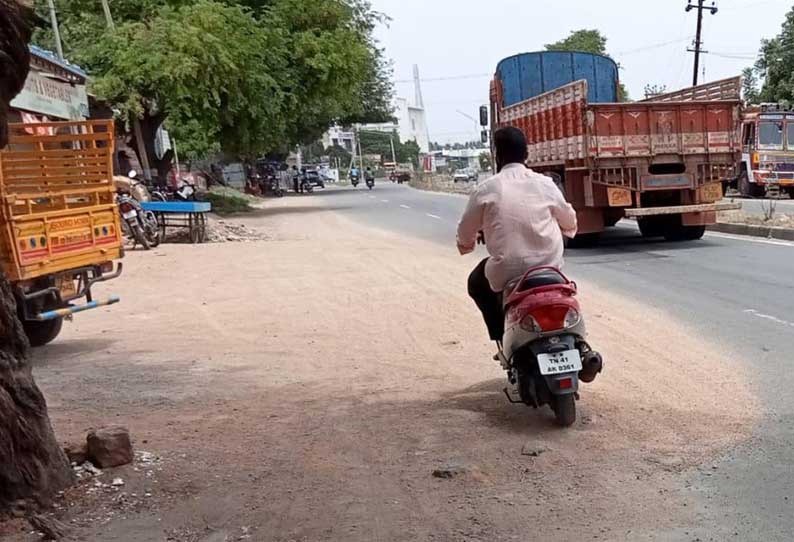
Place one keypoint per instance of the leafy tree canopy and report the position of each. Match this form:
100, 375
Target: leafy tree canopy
587, 41
247, 76
776, 64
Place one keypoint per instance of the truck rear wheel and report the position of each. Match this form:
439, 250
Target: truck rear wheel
41, 333
653, 226
685, 233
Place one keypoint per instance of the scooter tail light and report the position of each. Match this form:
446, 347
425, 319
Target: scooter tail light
572, 318
551, 318
565, 383
126, 207
548, 318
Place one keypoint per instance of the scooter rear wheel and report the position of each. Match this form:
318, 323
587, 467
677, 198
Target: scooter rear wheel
564, 407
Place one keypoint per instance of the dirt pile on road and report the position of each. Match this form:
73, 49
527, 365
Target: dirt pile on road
310, 391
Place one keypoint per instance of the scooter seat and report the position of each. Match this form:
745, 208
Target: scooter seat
544, 277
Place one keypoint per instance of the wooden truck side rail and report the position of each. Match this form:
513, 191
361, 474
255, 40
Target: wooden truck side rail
57, 199
725, 89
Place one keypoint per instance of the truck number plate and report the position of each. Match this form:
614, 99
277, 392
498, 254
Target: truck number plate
560, 362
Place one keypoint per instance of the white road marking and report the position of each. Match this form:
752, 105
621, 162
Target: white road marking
372, 197
748, 239
385, 201
774, 319
404, 206
434, 216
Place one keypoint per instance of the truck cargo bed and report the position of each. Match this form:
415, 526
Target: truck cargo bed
57, 200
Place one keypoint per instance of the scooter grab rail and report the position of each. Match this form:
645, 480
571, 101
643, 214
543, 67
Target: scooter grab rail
525, 276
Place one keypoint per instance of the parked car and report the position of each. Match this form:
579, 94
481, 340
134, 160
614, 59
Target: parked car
465, 176
313, 177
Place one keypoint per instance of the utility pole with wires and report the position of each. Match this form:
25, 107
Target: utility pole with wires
136, 122
56, 31
698, 45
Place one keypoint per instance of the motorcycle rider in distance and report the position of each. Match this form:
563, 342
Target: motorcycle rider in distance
522, 216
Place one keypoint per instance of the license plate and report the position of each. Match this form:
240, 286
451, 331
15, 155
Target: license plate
560, 362
67, 287
130, 214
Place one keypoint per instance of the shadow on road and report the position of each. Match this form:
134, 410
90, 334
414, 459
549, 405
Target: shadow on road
488, 398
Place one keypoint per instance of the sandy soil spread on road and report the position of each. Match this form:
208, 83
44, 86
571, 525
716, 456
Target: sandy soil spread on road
305, 388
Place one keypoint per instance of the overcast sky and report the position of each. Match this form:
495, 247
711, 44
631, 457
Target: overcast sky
452, 38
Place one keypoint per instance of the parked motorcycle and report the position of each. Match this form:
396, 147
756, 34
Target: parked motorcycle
138, 225
185, 191
544, 350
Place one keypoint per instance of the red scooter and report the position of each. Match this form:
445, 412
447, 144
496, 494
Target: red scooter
544, 350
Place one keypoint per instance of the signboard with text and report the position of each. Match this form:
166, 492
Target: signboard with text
53, 98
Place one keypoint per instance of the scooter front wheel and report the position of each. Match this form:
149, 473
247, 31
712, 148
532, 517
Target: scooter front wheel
564, 407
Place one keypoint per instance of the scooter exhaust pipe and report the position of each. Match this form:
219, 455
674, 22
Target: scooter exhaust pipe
592, 364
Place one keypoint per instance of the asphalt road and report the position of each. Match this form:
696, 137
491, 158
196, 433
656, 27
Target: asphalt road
736, 291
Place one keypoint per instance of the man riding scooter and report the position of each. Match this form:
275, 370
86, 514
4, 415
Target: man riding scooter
522, 217
528, 305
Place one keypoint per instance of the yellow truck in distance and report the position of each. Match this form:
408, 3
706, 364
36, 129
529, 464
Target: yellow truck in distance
59, 224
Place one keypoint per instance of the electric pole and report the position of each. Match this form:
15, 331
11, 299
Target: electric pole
108, 16
136, 122
55, 30
698, 41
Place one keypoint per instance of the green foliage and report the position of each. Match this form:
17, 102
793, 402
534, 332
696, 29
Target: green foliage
588, 41
485, 161
226, 201
750, 90
246, 76
652, 90
339, 154
776, 64
380, 143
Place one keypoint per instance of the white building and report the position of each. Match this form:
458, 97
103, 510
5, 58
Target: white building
341, 137
410, 123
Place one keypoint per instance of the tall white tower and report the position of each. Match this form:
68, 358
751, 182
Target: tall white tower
420, 103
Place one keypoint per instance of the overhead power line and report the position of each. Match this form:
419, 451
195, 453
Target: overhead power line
447, 78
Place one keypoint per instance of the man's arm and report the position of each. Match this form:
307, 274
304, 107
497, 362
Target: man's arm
470, 224
563, 212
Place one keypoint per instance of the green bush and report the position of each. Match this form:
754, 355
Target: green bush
228, 201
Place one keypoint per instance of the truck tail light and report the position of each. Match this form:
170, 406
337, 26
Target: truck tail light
106, 267
756, 160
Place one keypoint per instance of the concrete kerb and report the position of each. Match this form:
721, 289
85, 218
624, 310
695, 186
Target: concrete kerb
752, 230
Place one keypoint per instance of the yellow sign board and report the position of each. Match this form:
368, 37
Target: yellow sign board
710, 193
619, 197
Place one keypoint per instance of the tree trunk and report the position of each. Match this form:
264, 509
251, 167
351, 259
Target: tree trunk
32, 464
160, 166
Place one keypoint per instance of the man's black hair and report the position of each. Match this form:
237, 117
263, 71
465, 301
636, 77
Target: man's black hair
511, 146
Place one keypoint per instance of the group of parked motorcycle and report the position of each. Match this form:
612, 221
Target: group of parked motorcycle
141, 226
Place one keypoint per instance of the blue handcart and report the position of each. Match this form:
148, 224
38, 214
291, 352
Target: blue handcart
190, 215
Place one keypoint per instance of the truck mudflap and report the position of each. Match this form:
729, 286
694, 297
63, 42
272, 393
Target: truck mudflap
682, 209
68, 311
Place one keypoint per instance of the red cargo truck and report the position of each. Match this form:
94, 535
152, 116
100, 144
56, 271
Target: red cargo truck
661, 161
